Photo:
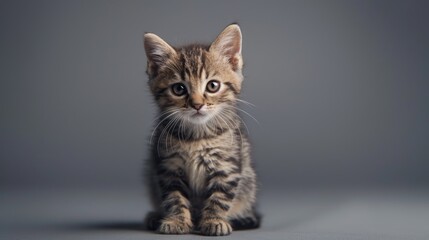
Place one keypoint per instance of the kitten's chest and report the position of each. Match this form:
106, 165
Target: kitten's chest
198, 164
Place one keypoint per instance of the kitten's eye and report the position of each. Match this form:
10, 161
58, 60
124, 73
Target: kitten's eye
213, 86
179, 89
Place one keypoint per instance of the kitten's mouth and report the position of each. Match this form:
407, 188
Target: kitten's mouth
199, 117
198, 114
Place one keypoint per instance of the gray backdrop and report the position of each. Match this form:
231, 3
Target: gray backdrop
340, 89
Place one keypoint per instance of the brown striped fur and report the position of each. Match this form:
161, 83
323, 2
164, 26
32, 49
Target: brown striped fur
201, 176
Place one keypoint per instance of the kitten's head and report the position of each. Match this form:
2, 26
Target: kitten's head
196, 84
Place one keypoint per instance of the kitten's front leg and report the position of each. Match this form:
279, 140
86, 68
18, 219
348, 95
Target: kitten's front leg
175, 203
219, 196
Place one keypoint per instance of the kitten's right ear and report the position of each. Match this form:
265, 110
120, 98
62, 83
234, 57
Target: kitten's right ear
157, 52
228, 44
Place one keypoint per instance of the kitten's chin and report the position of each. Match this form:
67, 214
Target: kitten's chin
199, 118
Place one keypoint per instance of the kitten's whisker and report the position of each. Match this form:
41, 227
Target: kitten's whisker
216, 118
248, 114
168, 111
159, 139
221, 115
180, 133
169, 137
177, 127
176, 121
218, 124
232, 122
245, 102
234, 113
238, 128
153, 132
162, 134
244, 123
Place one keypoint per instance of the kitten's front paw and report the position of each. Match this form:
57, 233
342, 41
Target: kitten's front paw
174, 226
215, 227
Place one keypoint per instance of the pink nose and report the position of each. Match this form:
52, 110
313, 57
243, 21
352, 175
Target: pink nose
197, 106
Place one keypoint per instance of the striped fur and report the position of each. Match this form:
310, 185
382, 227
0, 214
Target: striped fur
200, 174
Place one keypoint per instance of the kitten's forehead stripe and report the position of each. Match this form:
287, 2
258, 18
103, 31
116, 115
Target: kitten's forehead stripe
203, 65
188, 72
193, 62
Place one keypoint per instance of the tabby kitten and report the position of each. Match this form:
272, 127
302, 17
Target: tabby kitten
201, 176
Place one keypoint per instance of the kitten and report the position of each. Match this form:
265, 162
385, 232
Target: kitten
201, 176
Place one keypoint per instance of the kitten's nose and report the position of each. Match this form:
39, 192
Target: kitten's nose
197, 106
196, 101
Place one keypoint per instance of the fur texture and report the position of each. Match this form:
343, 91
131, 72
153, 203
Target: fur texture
200, 172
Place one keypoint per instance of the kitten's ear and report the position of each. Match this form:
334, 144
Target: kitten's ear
157, 52
228, 44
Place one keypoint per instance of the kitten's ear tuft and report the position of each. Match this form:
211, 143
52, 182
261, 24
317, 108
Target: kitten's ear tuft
157, 52
228, 44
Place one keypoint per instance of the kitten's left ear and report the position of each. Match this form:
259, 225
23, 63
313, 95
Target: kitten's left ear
157, 51
228, 44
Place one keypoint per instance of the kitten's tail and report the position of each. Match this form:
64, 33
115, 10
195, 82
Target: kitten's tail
152, 221
247, 222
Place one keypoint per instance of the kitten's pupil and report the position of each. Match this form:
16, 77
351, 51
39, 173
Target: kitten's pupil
213, 86
179, 89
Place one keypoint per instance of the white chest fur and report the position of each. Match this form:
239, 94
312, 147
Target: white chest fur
196, 171
198, 163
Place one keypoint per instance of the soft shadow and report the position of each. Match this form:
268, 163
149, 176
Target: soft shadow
106, 226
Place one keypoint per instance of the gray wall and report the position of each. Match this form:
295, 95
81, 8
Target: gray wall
340, 88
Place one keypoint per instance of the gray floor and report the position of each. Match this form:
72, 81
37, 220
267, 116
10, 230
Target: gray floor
288, 214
